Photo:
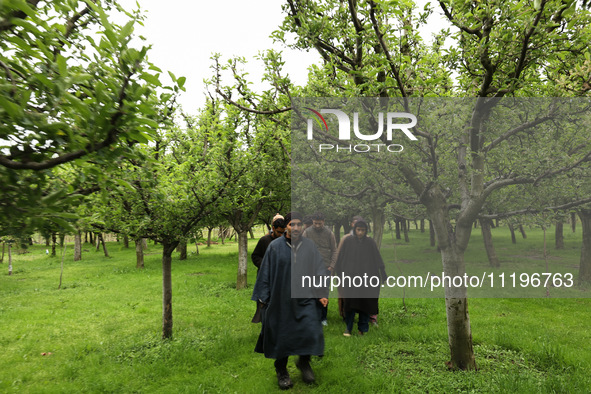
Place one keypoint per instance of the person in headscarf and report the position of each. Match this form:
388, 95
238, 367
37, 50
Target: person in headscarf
359, 257
290, 326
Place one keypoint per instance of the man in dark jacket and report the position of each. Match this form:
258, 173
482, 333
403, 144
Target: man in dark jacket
326, 243
359, 257
291, 326
277, 230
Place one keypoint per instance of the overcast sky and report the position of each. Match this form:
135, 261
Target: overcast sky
185, 33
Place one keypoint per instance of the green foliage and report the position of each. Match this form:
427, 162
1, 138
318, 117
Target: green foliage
73, 89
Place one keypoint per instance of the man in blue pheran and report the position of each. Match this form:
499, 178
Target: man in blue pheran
290, 326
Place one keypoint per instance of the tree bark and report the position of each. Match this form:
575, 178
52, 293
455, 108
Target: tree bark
139, 253
453, 242
573, 221
378, 226
251, 234
183, 249
2, 258
337, 232
397, 225
512, 229
167, 249
522, 231
53, 243
97, 238
209, 230
485, 228
9, 260
585, 265
241, 280
422, 224
431, 234
126, 242
102, 241
405, 226
558, 235
78, 246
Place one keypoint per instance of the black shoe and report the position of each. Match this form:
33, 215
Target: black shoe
306, 369
284, 380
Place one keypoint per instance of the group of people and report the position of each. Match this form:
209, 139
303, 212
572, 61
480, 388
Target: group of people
292, 326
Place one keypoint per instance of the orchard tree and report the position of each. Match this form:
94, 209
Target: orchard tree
73, 89
488, 52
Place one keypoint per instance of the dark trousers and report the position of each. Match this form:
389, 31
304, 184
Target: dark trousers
362, 324
281, 363
324, 314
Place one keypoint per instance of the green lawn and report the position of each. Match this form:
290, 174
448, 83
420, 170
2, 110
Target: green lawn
101, 331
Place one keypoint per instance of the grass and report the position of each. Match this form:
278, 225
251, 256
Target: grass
101, 331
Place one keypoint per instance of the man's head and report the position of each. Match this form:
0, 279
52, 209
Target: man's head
360, 228
278, 227
318, 221
307, 221
355, 219
293, 226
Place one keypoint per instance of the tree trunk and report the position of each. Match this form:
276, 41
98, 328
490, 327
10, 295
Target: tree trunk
47, 241
139, 253
62, 239
558, 235
196, 248
456, 303
209, 230
126, 242
53, 243
405, 226
78, 246
102, 241
522, 231
2, 258
431, 234
337, 232
183, 249
251, 234
512, 229
378, 226
144, 243
97, 238
9, 260
585, 265
91, 238
485, 227
573, 221
241, 280
222, 234
397, 223
422, 224
167, 249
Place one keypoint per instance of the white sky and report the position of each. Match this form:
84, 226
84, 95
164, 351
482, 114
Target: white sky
185, 33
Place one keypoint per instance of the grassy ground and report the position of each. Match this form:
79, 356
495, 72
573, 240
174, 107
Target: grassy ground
101, 331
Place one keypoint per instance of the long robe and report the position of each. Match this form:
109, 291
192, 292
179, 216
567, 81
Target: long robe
291, 326
359, 258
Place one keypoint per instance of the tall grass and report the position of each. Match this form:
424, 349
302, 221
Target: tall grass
101, 331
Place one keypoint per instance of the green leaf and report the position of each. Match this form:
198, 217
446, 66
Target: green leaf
151, 79
62, 65
13, 110
126, 30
